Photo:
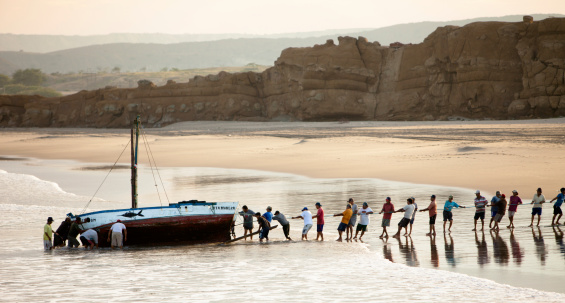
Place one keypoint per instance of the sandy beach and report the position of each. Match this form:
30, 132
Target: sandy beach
487, 155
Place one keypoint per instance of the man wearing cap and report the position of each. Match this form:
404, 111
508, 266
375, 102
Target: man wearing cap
493, 208
73, 233
247, 215
513, 207
388, 209
480, 205
364, 213
47, 234
353, 219
307, 216
408, 210
319, 221
118, 234
344, 221
264, 227
268, 215
557, 212
447, 214
432, 209
537, 201
284, 223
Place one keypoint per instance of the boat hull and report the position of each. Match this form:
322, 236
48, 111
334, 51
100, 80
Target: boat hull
179, 223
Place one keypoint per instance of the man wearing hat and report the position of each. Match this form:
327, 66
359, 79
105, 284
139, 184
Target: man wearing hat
47, 234
307, 216
513, 207
320, 221
268, 215
480, 205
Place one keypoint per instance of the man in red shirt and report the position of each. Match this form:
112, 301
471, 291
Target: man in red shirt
432, 208
320, 221
388, 209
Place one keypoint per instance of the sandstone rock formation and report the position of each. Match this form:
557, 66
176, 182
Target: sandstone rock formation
485, 70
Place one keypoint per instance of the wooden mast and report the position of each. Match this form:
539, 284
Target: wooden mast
134, 128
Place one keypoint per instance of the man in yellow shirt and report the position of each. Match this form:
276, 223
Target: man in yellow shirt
47, 233
345, 221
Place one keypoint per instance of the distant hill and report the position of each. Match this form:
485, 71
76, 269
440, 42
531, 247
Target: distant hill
53, 43
186, 55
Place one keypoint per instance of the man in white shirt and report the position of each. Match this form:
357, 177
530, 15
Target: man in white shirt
307, 216
537, 201
408, 210
117, 234
89, 238
363, 213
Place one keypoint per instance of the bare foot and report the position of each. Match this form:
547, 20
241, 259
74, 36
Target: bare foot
381, 236
396, 236
355, 238
428, 234
531, 225
339, 240
474, 229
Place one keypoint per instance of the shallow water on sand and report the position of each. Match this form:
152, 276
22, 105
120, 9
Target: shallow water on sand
32, 190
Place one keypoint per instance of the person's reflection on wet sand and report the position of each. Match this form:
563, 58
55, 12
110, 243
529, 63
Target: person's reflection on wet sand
434, 254
500, 248
449, 250
541, 250
409, 251
482, 249
387, 251
559, 239
517, 252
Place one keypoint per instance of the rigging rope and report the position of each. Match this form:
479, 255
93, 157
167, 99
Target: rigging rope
148, 149
84, 209
151, 166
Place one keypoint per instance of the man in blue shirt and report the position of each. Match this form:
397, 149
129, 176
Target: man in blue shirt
447, 214
557, 207
493, 207
268, 215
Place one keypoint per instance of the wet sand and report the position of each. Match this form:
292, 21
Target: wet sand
487, 155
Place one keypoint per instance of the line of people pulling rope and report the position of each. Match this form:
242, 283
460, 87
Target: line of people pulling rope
499, 206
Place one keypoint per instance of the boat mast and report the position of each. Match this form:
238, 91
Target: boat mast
134, 145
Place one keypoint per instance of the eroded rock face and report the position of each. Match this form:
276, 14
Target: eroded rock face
492, 70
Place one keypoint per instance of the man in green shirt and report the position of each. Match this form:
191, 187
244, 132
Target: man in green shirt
47, 235
73, 233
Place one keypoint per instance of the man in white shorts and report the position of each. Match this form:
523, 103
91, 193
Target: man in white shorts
307, 216
117, 234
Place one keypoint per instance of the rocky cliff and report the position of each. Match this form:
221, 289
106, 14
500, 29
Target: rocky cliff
485, 70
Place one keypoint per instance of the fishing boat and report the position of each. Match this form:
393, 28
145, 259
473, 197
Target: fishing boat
185, 222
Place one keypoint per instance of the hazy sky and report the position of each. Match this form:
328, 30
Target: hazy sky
82, 17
